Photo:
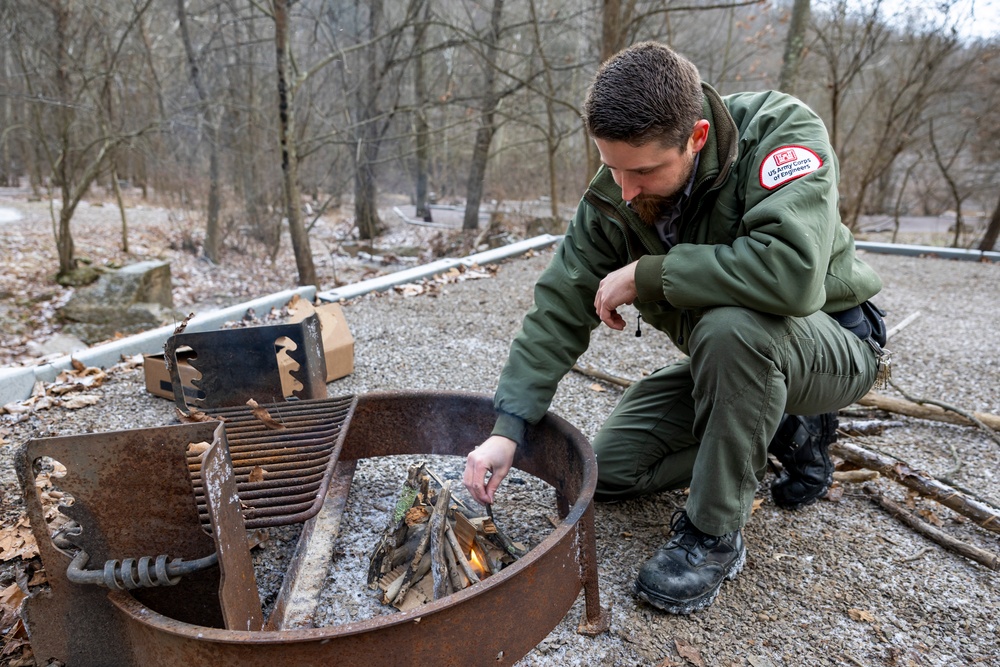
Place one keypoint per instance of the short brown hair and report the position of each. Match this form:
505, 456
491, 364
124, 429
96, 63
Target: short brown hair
644, 93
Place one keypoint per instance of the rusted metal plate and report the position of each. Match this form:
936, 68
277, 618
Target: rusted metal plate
238, 595
132, 497
239, 364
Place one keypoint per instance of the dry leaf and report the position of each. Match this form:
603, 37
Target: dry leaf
198, 448
78, 402
263, 415
861, 615
835, 493
183, 325
193, 416
17, 542
11, 597
931, 517
757, 502
689, 653
597, 387
669, 662
78, 365
257, 474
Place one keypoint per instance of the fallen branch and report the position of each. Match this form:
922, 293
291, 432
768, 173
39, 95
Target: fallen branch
910, 409
600, 375
971, 416
981, 556
902, 325
983, 515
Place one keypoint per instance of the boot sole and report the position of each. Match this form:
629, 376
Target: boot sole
684, 608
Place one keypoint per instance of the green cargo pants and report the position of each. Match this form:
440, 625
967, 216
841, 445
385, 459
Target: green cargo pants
706, 421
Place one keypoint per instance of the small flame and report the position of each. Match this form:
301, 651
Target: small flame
475, 560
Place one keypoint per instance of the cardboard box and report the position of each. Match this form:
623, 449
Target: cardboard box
338, 350
158, 380
338, 343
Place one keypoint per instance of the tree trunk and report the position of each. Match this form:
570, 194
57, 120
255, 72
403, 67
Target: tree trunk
289, 158
64, 235
212, 223
487, 126
421, 128
795, 46
366, 151
116, 186
992, 231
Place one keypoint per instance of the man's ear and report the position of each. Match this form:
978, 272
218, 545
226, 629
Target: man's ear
699, 135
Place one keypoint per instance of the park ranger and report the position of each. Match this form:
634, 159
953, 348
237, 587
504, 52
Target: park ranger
716, 216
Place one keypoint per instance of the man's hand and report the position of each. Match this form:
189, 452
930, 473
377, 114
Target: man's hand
617, 288
495, 457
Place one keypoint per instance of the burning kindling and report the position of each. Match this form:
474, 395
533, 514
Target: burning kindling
432, 531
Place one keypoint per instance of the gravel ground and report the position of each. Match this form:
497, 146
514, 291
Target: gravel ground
836, 583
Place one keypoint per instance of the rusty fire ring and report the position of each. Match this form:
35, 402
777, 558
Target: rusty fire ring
495, 622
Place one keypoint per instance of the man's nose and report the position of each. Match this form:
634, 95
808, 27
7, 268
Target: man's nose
630, 187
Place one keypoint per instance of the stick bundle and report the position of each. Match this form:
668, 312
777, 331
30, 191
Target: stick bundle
429, 533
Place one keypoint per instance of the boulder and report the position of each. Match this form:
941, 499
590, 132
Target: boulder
135, 298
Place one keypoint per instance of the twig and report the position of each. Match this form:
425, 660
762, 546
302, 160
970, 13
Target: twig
972, 417
501, 537
983, 515
411, 572
854, 660
463, 562
910, 559
902, 325
600, 375
435, 528
911, 409
981, 556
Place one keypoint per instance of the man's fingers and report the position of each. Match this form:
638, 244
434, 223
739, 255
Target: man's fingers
474, 480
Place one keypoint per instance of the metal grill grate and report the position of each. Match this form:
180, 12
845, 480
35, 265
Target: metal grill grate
296, 461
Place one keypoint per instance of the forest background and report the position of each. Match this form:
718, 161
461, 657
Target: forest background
263, 115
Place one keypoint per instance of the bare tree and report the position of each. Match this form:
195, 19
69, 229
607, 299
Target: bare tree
945, 166
289, 156
992, 231
421, 128
70, 68
487, 119
211, 121
795, 46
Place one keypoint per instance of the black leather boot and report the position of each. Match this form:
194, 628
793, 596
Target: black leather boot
802, 446
686, 573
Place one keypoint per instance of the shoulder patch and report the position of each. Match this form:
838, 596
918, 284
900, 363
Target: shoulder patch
786, 164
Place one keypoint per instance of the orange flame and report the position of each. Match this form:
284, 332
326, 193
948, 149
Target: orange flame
475, 560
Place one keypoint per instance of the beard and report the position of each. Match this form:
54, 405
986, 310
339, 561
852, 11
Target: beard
651, 208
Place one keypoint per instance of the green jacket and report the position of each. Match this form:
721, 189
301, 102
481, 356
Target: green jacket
761, 230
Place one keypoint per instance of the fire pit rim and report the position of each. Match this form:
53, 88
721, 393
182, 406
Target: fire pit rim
566, 530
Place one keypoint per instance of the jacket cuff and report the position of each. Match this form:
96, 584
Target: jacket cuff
511, 427
649, 278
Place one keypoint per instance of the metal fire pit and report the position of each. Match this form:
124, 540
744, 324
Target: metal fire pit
495, 622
